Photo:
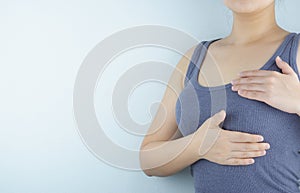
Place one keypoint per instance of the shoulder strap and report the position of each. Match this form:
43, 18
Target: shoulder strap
193, 62
294, 53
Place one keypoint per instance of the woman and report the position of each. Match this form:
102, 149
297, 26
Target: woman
236, 122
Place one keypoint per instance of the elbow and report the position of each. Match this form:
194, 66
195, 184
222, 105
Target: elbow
153, 172
147, 173
144, 165
144, 169
149, 170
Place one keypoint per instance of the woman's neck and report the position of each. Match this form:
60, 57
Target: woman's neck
250, 27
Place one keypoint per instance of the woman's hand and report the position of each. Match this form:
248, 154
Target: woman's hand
228, 147
280, 90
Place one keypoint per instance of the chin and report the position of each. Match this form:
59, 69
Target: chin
247, 6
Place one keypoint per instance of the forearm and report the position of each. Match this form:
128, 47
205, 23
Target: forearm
165, 158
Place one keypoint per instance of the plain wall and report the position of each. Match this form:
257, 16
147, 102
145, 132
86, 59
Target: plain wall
42, 45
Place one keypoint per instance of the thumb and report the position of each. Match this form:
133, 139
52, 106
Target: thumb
285, 67
211, 135
219, 117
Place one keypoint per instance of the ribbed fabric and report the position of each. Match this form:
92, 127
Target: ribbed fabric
276, 172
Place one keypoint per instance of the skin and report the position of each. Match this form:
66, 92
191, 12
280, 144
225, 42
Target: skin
210, 141
280, 90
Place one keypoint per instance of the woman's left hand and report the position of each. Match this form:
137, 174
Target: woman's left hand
280, 90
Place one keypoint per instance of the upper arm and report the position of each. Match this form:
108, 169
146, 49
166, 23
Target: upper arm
298, 57
164, 126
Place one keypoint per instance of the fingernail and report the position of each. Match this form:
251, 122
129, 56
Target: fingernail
279, 58
260, 138
268, 146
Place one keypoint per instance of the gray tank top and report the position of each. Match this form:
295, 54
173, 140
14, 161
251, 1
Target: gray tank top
277, 171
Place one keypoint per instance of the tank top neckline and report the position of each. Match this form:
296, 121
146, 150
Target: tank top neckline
206, 44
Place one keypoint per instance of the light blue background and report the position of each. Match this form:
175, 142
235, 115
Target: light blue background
42, 44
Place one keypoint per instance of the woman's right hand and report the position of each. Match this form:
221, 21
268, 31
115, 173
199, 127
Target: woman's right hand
228, 147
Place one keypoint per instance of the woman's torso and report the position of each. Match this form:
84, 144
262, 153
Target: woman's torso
279, 169
221, 64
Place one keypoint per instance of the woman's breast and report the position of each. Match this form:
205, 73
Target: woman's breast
194, 107
278, 169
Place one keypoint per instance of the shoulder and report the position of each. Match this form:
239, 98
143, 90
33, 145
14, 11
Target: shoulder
184, 62
298, 52
183, 66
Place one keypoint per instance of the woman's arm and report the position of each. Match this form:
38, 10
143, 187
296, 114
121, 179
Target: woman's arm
164, 158
163, 137
164, 151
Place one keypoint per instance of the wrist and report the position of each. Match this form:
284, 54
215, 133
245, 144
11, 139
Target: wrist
197, 141
195, 145
204, 140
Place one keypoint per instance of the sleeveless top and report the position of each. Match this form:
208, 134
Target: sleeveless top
278, 170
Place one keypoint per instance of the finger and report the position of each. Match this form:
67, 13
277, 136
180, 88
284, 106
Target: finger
249, 146
257, 73
236, 136
247, 154
285, 67
250, 79
254, 95
249, 87
237, 161
219, 117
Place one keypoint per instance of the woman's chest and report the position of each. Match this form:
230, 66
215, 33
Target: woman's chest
220, 66
194, 107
